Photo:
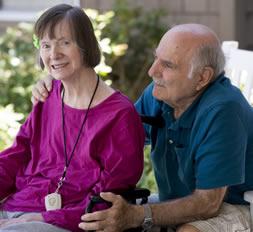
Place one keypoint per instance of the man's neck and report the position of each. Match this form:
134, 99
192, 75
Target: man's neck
182, 106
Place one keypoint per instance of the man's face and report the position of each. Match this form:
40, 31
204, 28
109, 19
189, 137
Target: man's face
171, 70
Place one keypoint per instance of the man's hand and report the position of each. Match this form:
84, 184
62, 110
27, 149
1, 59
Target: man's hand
119, 217
24, 218
41, 89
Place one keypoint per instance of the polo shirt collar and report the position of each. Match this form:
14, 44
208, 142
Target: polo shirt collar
187, 118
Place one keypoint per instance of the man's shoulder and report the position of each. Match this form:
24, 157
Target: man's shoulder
222, 94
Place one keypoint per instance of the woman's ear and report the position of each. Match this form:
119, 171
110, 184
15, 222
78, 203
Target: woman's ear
205, 77
41, 63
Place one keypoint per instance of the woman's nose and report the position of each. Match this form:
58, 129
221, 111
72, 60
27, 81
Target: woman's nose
55, 52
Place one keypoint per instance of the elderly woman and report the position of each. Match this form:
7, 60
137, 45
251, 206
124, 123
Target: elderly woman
86, 138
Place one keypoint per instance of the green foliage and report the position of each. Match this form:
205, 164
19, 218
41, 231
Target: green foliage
148, 180
18, 70
9, 125
137, 33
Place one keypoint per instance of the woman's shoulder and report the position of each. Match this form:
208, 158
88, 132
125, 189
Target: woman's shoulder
56, 88
117, 100
109, 97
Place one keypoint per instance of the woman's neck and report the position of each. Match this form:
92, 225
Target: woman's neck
79, 89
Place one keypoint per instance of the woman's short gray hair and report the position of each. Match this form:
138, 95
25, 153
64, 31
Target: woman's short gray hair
208, 55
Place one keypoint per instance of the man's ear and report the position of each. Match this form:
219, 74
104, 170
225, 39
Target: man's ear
205, 77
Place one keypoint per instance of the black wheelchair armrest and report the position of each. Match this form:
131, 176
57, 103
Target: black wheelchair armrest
130, 196
94, 200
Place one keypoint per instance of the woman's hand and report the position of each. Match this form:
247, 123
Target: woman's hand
41, 89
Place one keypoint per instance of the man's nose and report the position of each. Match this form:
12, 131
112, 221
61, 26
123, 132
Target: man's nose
154, 69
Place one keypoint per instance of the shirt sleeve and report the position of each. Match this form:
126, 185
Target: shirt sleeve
68, 218
122, 163
149, 106
220, 157
14, 158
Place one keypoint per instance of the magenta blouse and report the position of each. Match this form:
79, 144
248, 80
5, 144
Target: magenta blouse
108, 157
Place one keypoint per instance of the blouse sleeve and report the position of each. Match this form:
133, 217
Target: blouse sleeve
122, 158
14, 158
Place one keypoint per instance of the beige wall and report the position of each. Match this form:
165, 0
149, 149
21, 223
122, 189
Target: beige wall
217, 14
14, 11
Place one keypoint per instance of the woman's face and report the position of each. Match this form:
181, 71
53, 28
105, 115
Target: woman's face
61, 55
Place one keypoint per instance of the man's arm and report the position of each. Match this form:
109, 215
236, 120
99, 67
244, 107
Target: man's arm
202, 204
41, 89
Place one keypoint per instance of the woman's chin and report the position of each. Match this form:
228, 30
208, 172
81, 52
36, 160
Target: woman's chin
57, 77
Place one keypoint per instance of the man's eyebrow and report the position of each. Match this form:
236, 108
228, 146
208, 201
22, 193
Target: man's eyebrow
169, 63
166, 62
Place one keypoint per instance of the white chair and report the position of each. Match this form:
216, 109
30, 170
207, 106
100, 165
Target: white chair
239, 68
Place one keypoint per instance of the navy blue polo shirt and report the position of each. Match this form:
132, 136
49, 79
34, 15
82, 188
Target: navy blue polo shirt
209, 146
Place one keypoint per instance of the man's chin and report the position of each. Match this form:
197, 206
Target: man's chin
156, 95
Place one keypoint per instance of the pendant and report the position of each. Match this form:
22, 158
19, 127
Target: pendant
53, 201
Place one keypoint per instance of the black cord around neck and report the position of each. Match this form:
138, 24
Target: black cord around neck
67, 161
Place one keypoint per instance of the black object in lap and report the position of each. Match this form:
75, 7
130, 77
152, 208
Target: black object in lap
130, 196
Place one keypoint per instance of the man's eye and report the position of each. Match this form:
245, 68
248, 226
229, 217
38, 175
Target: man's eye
168, 65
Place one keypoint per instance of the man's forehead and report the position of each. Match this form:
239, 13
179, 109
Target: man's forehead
193, 28
180, 39
173, 45
191, 35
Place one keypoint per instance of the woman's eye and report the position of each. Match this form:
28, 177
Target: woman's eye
45, 46
64, 43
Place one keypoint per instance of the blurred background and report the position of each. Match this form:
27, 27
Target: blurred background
128, 32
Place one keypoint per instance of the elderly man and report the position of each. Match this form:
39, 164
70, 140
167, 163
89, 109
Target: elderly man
202, 155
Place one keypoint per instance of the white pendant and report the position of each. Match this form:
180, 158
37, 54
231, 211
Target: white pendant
53, 201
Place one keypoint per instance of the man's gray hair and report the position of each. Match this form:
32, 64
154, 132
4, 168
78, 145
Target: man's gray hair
208, 55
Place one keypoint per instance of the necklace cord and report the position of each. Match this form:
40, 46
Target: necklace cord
67, 161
